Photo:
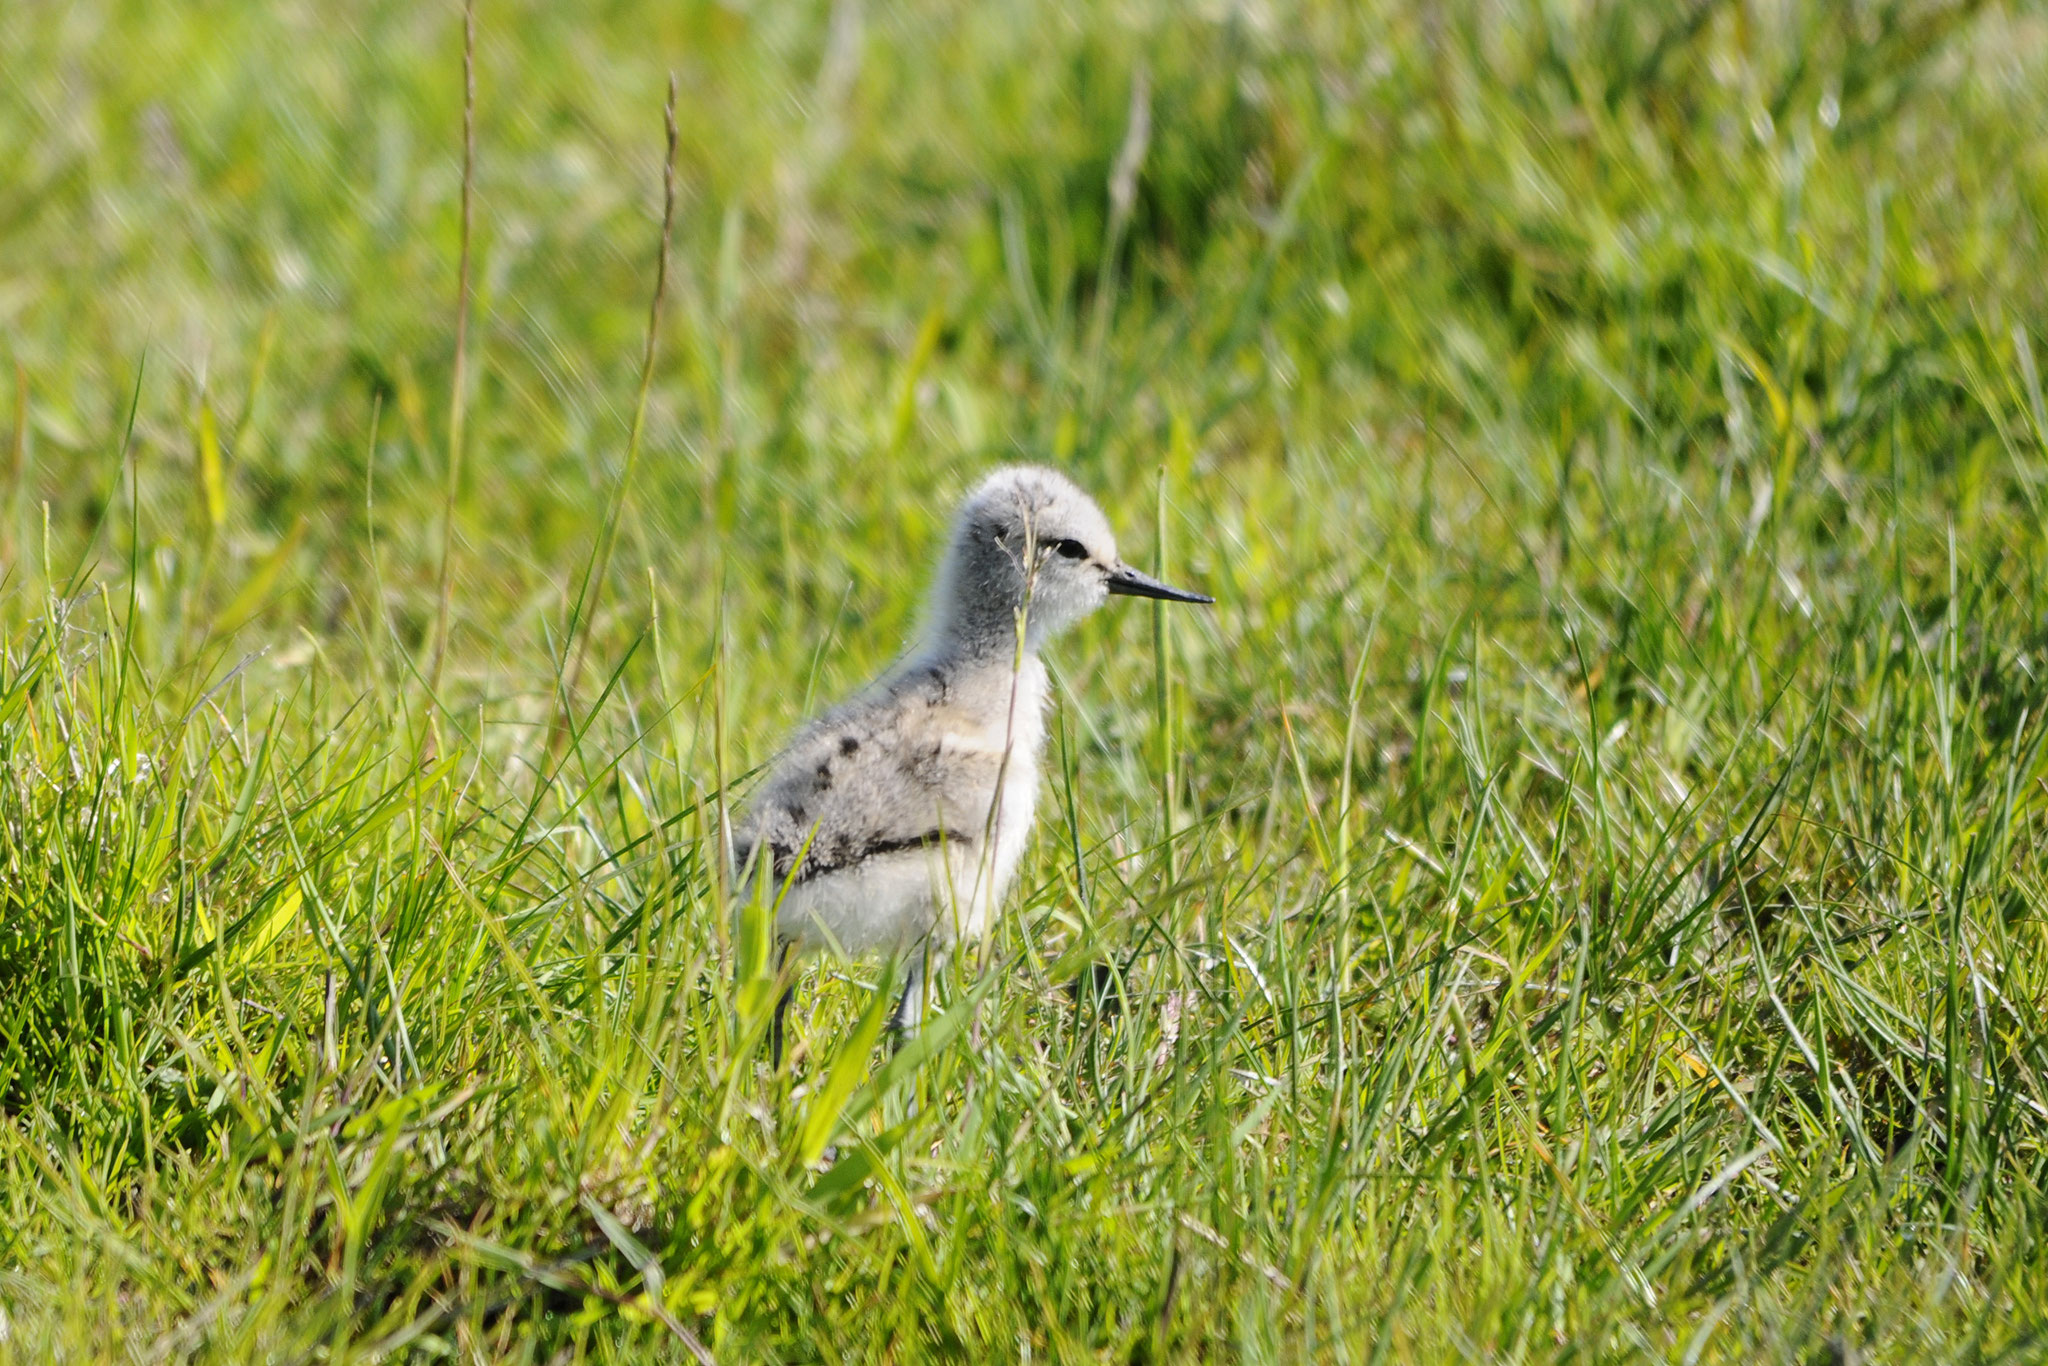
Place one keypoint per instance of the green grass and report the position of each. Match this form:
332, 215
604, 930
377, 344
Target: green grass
1578, 895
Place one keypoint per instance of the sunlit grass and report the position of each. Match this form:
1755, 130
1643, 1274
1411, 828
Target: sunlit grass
1576, 895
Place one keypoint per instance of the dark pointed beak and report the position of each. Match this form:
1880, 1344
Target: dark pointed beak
1127, 582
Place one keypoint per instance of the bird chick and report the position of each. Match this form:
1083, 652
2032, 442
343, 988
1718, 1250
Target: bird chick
894, 822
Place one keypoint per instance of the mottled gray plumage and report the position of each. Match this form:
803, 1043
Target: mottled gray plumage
896, 820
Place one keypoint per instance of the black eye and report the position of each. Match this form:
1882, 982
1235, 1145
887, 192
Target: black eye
1073, 550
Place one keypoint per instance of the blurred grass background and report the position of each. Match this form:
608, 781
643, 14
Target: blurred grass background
1577, 896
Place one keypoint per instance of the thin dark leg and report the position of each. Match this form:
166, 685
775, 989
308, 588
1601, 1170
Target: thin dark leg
781, 1009
909, 1016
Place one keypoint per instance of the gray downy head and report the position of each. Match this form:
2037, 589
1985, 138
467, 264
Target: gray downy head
1028, 539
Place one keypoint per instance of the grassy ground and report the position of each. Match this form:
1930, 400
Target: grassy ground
1577, 896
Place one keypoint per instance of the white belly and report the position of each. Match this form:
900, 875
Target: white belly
880, 906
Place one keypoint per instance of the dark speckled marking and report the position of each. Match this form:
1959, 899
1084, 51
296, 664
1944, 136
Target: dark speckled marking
849, 744
831, 856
